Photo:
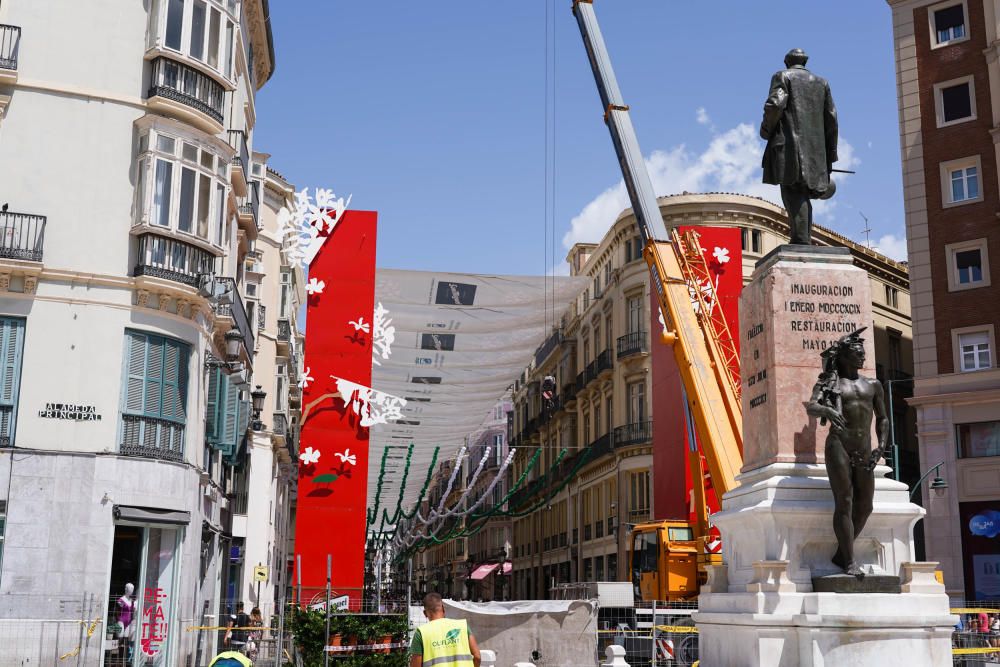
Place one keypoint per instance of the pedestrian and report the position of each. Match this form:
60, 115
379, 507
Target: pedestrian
442, 641
236, 632
254, 636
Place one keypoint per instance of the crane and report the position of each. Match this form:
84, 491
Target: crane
697, 333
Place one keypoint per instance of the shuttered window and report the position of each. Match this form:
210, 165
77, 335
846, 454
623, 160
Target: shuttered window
11, 348
227, 417
154, 396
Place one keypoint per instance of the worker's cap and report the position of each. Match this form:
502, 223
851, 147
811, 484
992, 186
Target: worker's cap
795, 57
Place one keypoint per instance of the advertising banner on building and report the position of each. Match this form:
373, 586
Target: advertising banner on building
980, 523
722, 249
337, 404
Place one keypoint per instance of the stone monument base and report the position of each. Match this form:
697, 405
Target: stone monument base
787, 629
846, 583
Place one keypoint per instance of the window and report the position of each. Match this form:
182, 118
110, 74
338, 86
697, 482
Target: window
638, 495
634, 308
200, 29
968, 264
586, 428
978, 439
227, 415
750, 240
947, 24
597, 420
280, 383
498, 449
11, 349
154, 398
3, 528
607, 274
628, 250
974, 351
954, 101
597, 286
286, 294
636, 402
964, 184
184, 192
891, 296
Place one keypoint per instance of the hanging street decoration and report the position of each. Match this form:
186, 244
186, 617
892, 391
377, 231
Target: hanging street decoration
372, 406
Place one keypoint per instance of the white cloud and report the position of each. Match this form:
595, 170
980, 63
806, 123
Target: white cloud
892, 246
701, 115
730, 163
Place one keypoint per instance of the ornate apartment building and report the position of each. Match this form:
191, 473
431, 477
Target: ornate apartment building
948, 89
617, 413
140, 284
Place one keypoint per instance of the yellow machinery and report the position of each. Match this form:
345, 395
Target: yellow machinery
696, 331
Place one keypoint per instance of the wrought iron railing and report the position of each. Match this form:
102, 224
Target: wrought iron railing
250, 205
605, 362
238, 140
10, 39
631, 343
6, 425
638, 516
280, 425
568, 392
590, 373
600, 447
163, 257
546, 348
237, 312
636, 433
284, 329
152, 437
176, 81
581, 380
21, 236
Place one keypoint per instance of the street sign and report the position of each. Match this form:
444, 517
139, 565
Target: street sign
260, 573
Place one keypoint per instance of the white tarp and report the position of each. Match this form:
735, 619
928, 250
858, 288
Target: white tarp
460, 341
562, 632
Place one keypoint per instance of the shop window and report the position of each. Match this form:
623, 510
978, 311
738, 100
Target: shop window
978, 439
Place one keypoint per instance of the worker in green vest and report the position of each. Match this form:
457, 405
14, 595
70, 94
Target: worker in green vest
442, 641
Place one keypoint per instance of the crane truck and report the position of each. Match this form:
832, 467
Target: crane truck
667, 558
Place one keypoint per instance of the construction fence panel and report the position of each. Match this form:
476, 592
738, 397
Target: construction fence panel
654, 634
975, 641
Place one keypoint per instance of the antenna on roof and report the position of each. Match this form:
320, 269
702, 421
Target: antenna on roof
867, 230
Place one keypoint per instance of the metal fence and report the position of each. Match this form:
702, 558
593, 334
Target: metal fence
975, 642
652, 633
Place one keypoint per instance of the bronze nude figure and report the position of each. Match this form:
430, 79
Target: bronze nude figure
849, 401
800, 126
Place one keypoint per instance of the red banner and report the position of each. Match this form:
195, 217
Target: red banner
333, 445
722, 249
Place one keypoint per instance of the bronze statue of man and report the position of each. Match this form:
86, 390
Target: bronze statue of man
800, 126
848, 401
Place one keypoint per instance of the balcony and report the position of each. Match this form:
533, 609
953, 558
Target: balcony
604, 363
21, 236
279, 427
237, 312
581, 381
249, 209
637, 433
10, 40
181, 90
631, 344
600, 447
568, 394
547, 348
241, 162
638, 516
152, 438
170, 259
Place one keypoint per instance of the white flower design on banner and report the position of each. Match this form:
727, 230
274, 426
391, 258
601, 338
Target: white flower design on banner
309, 456
315, 286
306, 378
373, 406
721, 255
360, 325
347, 457
383, 335
299, 227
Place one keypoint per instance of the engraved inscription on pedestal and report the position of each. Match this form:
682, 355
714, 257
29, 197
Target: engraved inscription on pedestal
789, 313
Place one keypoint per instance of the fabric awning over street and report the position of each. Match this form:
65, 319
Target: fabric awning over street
483, 571
460, 341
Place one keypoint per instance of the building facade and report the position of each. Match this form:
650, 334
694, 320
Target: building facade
610, 396
948, 83
130, 325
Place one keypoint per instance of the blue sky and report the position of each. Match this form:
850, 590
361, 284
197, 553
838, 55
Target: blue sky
433, 113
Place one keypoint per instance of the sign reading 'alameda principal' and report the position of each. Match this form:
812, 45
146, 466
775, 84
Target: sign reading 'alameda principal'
786, 321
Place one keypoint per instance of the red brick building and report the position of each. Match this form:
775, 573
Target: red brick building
948, 86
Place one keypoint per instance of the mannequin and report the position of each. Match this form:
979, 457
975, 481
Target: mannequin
126, 608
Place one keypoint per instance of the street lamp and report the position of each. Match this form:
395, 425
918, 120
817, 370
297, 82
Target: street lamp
938, 485
233, 339
257, 397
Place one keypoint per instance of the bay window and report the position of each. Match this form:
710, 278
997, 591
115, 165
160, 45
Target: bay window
184, 193
203, 30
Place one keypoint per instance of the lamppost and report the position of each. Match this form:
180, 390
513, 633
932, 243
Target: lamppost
892, 427
257, 397
938, 485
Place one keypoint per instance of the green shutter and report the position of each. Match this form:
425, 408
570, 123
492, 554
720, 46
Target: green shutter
135, 372
216, 385
153, 401
230, 415
175, 381
11, 347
